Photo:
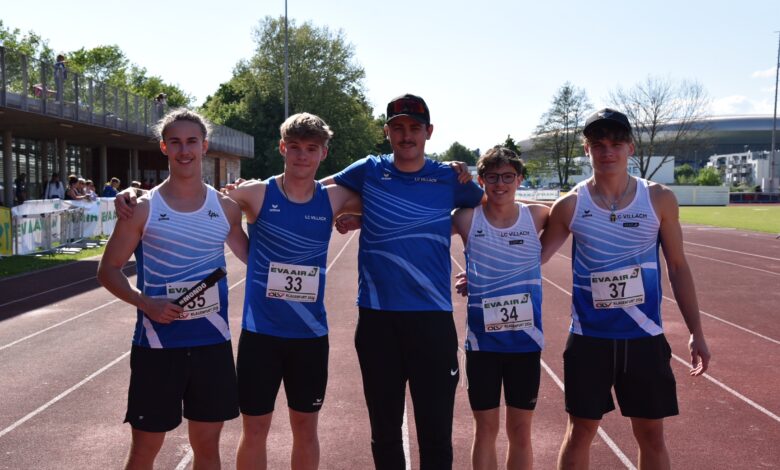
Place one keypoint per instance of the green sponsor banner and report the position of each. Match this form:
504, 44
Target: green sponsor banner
6, 238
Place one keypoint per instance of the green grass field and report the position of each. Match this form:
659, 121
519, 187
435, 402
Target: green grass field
13, 265
757, 217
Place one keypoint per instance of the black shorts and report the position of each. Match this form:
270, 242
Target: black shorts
519, 372
264, 361
202, 379
638, 368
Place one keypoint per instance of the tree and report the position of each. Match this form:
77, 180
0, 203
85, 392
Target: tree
511, 145
708, 177
323, 79
29, 43
666, 117
558, 134
459, 153
684, 174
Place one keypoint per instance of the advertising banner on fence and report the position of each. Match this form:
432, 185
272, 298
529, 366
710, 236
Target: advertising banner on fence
6, 233
538, 194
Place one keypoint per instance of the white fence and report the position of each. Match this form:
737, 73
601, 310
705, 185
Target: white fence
41, 225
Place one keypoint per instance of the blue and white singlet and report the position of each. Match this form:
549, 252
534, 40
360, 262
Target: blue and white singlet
404, 257
177, 250
505, 285
616, 290
288, 251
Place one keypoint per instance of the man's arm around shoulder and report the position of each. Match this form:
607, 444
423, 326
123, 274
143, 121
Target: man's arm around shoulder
557, 229
236, 238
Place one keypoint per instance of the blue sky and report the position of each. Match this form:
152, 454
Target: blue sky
486, 68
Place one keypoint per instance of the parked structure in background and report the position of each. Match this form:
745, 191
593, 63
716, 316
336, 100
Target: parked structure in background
52, 121
745, 168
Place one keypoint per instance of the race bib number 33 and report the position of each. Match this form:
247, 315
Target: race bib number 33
204, 304
508, 313
616, 289
293, 282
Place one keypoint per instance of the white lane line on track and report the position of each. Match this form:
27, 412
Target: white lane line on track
185, 461
603, 434
712, 379
732, 251
733, 264
56, 288
732, 391
714, 317
57, 324
62, 395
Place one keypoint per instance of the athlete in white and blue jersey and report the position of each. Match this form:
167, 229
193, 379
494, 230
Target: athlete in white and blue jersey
177, 250
288, 249
505, 285
404, 260
617, 284
616, 338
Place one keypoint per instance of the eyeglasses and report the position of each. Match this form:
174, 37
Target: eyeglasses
406, 106
492, 178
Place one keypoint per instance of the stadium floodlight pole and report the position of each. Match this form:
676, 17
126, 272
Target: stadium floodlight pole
286, 68
773, 185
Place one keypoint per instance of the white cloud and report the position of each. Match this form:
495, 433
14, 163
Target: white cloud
770, 72
740, 104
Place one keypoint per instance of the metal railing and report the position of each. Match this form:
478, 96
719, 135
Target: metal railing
34, 86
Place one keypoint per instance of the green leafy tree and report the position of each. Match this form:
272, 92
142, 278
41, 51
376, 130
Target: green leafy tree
684, 174
459, 153
708, 177
29, 43
511, 145
557, 137
324, 79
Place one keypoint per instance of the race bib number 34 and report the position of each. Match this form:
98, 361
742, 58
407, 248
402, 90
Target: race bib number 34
204, 304
508, 313
293, 282
616, 289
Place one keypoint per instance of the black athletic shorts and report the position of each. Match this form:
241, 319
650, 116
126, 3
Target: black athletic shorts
519, 372
200, 379
638, 368
264, 361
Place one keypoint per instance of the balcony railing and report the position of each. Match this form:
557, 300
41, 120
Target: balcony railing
31, 85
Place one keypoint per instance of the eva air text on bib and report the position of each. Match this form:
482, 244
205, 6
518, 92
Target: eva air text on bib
204, 304
616, 289
508, 312
293, 282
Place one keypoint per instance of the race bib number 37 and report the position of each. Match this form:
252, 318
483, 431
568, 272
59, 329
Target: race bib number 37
508, 313
616, 289
204, 304
293, 282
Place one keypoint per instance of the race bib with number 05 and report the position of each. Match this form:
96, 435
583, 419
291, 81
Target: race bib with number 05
206, 303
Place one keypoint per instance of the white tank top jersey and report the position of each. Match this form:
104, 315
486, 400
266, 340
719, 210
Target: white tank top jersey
177, 250
616, 290
505, 285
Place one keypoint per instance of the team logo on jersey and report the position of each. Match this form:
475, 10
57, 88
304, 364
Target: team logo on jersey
515, 242
386, 176
631, 224
318, 218
586, 213
212, 214
480, 233
635, 215
422, 179
274, 208
514, 233
163, 217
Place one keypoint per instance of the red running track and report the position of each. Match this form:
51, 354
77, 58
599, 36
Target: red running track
64, 369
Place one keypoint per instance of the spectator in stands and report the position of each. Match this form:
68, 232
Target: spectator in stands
135, 184
160, 103
75, 188
54, 188
60, 74
20, 185
111, 187
89, 190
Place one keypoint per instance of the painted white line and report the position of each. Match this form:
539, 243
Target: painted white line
603, 434
732, 391
340, 252
32, 335
712, 379
746, 330
405, 438
62, 395
732, 251
714, 317
185, 461
732, 264
456, 263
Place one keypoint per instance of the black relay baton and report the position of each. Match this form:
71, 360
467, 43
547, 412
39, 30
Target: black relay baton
201, 287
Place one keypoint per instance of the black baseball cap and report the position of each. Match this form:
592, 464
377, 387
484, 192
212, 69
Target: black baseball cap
409, 105
607, 115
